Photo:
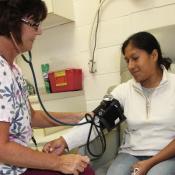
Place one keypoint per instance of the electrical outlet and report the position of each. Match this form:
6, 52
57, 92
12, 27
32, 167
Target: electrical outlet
92, 66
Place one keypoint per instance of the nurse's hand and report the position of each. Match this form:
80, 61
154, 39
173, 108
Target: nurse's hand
56, 146
71, 164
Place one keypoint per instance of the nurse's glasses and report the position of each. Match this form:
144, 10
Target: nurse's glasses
34, 25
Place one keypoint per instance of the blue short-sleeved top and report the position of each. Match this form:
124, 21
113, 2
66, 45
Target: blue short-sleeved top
14, 109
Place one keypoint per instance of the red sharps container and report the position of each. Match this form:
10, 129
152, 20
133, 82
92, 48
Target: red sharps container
65, 80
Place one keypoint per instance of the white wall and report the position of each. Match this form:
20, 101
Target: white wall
67, 45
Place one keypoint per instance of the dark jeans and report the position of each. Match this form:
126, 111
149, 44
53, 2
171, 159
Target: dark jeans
87, 171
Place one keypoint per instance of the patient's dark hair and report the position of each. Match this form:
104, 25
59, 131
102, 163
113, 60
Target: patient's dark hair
146, 41
12, 11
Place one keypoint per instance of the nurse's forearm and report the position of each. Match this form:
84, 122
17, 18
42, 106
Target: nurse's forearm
14, 154
40, 119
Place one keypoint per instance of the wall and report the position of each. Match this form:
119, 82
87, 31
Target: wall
67, 45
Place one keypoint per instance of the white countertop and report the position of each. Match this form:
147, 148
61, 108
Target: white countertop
53, 96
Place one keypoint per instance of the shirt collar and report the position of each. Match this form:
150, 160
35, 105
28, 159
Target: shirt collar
164, 80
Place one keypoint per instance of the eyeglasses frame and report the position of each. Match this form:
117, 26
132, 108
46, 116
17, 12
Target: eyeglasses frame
34, 25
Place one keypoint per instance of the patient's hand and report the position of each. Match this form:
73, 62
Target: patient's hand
143, 166
56, 146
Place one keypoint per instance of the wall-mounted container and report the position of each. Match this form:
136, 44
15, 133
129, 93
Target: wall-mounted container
65, 80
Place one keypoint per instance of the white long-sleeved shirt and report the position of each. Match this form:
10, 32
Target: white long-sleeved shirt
150, 121
78, 135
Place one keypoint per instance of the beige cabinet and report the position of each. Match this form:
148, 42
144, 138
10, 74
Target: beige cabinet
59, 12
49, 5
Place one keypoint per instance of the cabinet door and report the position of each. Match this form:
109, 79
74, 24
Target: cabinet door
49, 5
64, 8
59, 12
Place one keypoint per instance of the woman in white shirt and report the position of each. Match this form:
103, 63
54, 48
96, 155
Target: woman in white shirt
148, 146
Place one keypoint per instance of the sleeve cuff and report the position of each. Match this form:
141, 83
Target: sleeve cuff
78, 135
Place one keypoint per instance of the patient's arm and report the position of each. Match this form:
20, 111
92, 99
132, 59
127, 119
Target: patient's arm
76, 137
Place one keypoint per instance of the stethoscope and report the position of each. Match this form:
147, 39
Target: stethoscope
28, 60
88, 117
